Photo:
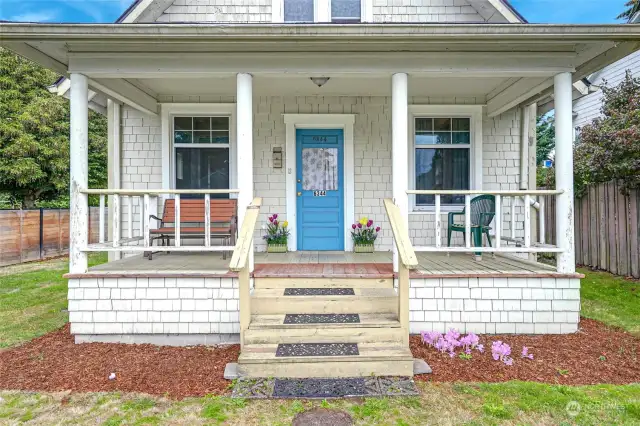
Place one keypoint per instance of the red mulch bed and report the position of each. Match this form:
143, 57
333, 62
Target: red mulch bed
576, 355
54, 362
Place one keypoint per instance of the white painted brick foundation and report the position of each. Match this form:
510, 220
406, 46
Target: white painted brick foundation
207, 309
186, 311
495, 305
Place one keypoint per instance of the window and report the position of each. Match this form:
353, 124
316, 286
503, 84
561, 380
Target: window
298, 11
442, 157
201, 153
345, 11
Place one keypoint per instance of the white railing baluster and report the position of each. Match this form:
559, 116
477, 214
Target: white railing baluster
527, 220
115, 220
177, 220
541, 216
130, 216
438, 223
142, 215
513, 218
101, 220
523, 243
145, 220
498, 221
467, 220
207, 220
111, 240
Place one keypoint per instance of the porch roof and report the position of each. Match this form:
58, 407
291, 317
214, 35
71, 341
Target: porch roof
432, 32
527, 56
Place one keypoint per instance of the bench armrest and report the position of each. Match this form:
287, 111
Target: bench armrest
151, 216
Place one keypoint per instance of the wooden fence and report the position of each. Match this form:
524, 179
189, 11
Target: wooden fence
27, 235
607, 229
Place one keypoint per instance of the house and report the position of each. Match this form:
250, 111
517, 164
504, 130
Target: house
587, 93
412, 108
588, 104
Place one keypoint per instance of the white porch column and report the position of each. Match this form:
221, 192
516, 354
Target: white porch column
79, 173
564, 171
244, 157
113, 161
400, 148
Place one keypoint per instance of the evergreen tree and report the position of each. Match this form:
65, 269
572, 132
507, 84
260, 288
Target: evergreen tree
34, 136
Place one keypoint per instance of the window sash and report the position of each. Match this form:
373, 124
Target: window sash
443, 146
335, 17
197, 146
309, 15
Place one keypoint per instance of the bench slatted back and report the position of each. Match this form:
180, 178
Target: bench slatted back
192, 211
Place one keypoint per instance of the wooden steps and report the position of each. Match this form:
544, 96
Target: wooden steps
323, 282
304, 334
375, 359
365, 300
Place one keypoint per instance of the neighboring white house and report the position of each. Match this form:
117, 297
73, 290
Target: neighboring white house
412, 108
588, 105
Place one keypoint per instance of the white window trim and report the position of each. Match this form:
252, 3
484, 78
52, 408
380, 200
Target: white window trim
474, 113
321, 11
168, 111
319, 121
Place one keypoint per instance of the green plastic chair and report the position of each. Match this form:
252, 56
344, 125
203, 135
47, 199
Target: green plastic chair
482, 212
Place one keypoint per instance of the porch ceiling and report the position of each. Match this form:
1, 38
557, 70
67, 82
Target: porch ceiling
338, 85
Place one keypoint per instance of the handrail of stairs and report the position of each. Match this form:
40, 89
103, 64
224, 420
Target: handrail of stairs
240, 262
407, 260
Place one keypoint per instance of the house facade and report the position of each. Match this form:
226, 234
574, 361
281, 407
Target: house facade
588, 104
323, 113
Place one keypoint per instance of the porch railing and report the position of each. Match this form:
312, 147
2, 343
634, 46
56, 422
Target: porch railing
145, 202
521, 242
241, 264
406, 261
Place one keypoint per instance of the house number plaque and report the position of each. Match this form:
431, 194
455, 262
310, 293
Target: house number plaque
319, 193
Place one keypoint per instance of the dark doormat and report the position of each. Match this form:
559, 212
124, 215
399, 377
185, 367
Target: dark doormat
322, 319
323, 388
317, 349
319, 292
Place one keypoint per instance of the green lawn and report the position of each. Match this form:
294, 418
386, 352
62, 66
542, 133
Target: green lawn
611, 299
483, 404
33, 299
32, 303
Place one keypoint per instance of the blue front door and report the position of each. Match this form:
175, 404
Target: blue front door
320, 189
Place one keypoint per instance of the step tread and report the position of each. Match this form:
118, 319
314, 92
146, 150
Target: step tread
266, 353
359, 293
366, 321
323, 282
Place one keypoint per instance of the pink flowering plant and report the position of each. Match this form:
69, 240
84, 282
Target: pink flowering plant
363, 232
277, 232
501, 352
452, 341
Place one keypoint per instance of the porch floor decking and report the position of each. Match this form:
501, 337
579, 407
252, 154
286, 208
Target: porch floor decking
327, 264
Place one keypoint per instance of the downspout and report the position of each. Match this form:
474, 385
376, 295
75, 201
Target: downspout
524, 148
527, 114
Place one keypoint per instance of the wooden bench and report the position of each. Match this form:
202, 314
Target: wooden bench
224, 220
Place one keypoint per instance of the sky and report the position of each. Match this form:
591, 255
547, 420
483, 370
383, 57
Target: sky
89, 11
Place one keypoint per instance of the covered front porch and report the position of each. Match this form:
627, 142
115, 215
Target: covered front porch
428, 116
323, 264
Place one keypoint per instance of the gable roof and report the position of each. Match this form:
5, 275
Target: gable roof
150, 10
